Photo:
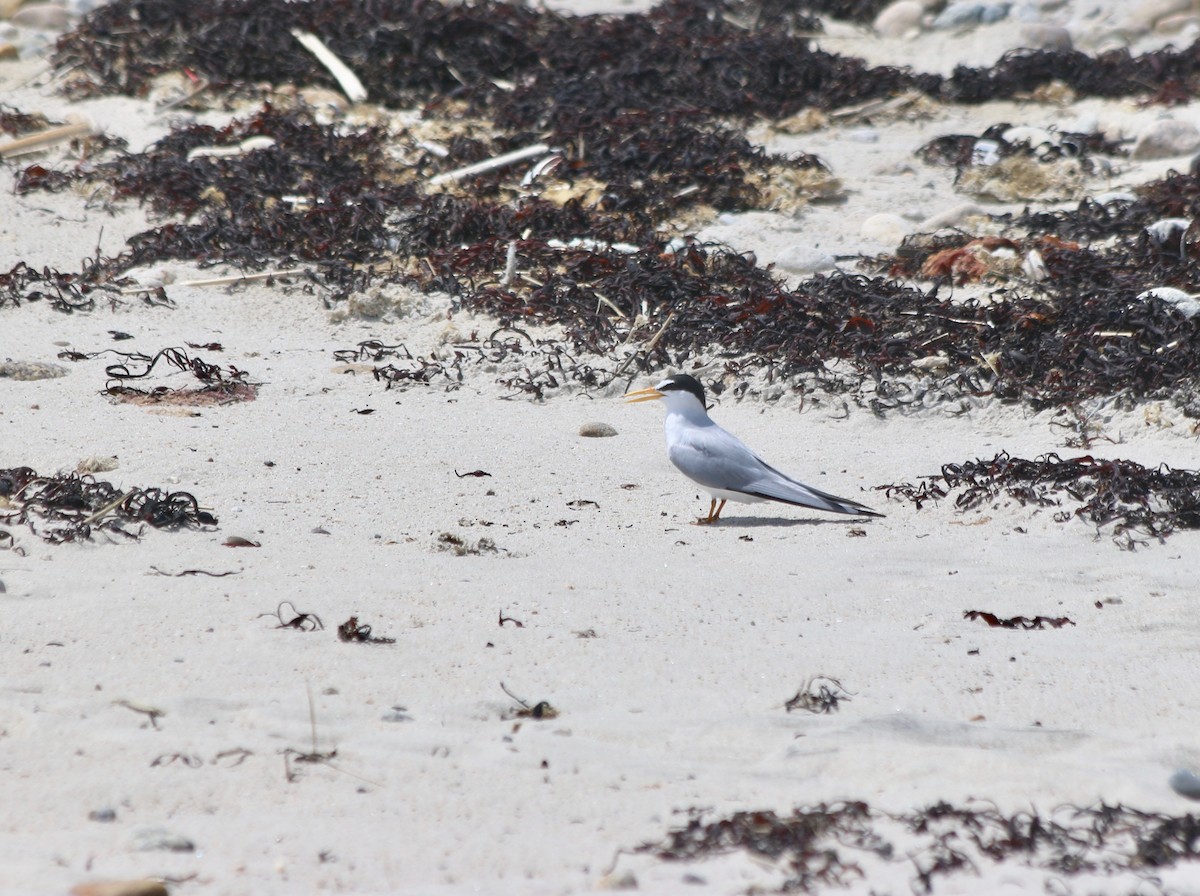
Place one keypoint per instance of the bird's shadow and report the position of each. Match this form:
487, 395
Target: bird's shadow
760, 522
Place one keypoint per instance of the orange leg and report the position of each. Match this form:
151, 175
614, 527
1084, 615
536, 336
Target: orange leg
714, 513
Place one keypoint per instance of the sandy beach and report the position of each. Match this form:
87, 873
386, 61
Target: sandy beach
162, 722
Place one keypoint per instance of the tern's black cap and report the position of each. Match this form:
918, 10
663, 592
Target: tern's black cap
681, 382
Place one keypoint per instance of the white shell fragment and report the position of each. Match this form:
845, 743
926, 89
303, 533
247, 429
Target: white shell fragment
1187, 304
238, 149
347, 80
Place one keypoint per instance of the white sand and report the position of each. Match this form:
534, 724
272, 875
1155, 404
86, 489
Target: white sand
701, 634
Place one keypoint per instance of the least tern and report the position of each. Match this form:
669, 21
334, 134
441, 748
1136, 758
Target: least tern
720, 463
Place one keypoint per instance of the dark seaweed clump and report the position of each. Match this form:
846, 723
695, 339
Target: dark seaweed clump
1134, 500
564, 71
835, 845
70, 507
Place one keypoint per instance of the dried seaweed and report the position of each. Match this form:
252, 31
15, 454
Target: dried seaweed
71, 507
218, 386
1024, 623
1132, 499
839, 844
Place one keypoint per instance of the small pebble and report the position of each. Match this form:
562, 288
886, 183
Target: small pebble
1166, 138
886, 228
967, 12
801, 260
899, 18
1039, 36
1186, 783
43, 16
596, 430
103, 815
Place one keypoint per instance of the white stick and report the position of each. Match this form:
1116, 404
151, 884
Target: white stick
347, 80
218, 281
42, 139
489, 164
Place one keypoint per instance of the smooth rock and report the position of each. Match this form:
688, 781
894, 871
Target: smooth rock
1039, 36
42, 16
597, 430
802, 260
899, 18
971, 12
107, 814
886, 228
1185, 783
1166, 138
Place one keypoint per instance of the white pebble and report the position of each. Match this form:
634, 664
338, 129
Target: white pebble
1039, 36
803, 260
899, 18
1165, 138
43, 16
1185, 783
886, 228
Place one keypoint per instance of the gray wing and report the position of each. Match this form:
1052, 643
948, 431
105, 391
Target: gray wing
717, 459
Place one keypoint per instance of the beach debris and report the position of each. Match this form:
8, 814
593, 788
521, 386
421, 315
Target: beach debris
186, 759
360, 633
294, 619
1133, 499
478, 474
541, 710
819, 694
43, 139
196, 572
1026, 623
219, 387
313, 755
347, 80
70, 507
517, 623
103, 815
151, 839
97, 464
146, 887
462, 547
597, 430
238, 541
152, 713
832, 845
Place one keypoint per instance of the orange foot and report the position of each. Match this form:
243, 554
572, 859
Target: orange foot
714, 513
